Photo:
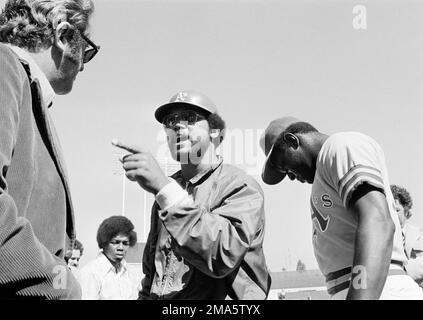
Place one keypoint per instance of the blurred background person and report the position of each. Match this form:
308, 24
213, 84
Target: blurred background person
107, 277
72, 257
412, 235
282, 294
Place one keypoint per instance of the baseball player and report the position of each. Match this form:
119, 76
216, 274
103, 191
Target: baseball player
207, 225
356, 233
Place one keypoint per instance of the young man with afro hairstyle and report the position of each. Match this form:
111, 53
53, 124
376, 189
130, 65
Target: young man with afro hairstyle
107, 277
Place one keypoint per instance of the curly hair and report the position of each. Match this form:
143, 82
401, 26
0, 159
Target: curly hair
77, 246
113, 226
217, 124
30, 24
403, 196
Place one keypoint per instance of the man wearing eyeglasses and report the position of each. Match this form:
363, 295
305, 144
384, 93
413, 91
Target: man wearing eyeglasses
108, 277
207, 225
43, 46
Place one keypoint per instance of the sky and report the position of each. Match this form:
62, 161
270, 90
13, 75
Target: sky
257, 60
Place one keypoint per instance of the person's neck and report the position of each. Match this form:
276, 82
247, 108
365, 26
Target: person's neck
315, 145
190, 170
116, 264
43, 60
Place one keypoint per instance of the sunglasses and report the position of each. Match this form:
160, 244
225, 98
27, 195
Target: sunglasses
89, 52
190, 117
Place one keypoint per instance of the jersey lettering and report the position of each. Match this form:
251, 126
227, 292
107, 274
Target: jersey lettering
327, 202
321, 220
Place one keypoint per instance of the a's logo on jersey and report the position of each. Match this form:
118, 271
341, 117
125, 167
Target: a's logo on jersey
321, 220
327, 202
181, 96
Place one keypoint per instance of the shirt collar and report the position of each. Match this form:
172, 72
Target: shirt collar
201, 174
105, 266
47, 91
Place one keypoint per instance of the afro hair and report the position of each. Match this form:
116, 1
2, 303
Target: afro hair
113, 226
218, 125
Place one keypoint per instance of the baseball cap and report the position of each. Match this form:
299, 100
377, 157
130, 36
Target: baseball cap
187, 98
270, 174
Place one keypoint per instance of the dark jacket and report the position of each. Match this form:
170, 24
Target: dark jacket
218, 238
36, 215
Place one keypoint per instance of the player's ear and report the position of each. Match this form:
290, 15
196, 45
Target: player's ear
214, 135
291, 140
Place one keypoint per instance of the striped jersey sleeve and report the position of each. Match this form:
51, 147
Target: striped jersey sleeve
352, 159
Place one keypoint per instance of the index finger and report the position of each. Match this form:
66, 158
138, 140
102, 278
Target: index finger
127, 147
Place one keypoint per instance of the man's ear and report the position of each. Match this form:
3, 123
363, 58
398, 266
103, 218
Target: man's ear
63, 33
292, 140
214, 134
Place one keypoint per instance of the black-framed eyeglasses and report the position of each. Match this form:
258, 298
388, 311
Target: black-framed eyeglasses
189, 117
90, 52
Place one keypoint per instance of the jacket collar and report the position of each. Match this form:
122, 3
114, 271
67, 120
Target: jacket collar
42, 96
201, 175
47, 92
